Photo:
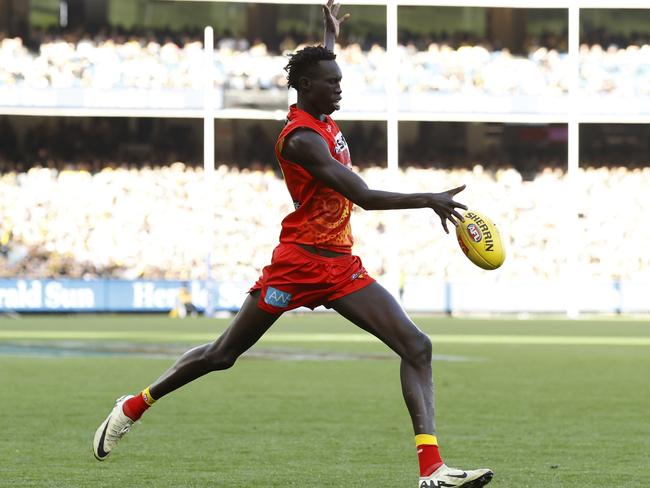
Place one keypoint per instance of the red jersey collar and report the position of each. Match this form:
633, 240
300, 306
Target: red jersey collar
294, 112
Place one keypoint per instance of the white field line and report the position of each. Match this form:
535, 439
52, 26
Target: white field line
338, 338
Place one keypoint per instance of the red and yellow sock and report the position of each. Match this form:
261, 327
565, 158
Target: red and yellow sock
136, 406
428, 454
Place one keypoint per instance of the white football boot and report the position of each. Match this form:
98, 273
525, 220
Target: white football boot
112, 430
445, 476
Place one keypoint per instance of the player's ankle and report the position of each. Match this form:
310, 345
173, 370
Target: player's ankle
431, 469
134, 407
428, 453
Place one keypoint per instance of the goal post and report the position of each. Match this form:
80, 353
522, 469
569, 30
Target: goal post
208, 167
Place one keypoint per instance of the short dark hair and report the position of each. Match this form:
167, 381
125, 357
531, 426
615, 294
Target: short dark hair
302, 60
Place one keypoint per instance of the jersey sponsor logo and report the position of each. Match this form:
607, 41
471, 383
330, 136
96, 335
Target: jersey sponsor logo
359, 275
340, 144
277, 298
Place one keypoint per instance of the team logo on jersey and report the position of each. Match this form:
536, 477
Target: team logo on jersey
277, 298
339, 143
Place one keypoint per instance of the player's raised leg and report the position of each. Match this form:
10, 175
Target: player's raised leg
375, 310
245, 330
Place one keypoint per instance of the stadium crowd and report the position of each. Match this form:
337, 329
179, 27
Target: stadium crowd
162, 222
445, 65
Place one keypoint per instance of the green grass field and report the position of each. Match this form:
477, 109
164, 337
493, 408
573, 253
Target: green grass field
318, 403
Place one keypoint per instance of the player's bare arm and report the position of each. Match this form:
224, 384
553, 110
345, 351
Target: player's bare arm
332, 23
308, 149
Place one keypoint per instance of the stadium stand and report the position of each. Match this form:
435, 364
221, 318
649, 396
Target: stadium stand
88, 199
145, 223
427, 65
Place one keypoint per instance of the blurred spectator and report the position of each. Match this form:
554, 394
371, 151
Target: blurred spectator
184, 305
6, 236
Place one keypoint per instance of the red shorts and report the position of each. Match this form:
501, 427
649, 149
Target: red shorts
297, 278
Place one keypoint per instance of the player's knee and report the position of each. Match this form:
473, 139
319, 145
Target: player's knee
420, 350
218, 359
222, 362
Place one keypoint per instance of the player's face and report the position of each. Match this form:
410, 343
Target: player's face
325, 93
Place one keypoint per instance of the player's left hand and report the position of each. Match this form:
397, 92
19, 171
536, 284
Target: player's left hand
332, 23
445, 206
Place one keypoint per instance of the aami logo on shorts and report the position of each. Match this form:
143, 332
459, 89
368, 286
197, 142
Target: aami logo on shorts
474, 232
277, 298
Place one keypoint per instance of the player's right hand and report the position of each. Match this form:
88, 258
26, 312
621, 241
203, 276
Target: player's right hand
330, 11
445, 206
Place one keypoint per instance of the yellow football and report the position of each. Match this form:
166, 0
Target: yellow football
480, 240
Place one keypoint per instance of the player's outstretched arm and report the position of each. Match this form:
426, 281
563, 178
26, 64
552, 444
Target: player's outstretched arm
332, 23
310, 150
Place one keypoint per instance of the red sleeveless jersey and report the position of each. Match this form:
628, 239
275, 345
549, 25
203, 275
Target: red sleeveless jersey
322, 215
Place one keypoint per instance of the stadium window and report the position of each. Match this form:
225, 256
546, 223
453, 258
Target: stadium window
367, 142
494, 28
93, 143
528, 148
614, 27
44, 13
615, 145
246, 143
278, 26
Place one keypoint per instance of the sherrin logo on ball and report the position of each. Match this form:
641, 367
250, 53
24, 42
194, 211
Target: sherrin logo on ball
480, 240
